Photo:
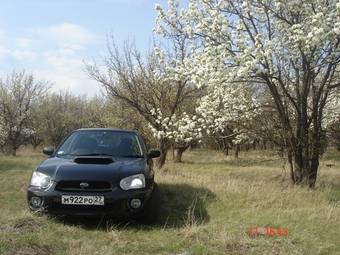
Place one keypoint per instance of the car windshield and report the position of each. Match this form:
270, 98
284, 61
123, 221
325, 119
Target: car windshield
97, 143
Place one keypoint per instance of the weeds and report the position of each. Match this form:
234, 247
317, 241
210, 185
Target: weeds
209, 202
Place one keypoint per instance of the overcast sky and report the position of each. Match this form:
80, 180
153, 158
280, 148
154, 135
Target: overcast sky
52, 38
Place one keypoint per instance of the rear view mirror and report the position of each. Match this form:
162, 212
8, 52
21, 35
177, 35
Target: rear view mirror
48, 150
154, 153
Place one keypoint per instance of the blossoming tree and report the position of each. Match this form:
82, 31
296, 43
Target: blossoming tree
289, 47
180, 130
19, 93
151, 86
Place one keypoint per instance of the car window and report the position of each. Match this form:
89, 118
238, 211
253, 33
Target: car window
112, 143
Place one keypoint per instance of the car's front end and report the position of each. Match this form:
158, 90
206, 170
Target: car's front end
99, 197
99, 185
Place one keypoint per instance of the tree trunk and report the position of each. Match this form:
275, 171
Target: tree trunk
237, 150
313, 171
163, 147
254, 144
248, 146
11, 150
225, 146
305, 169
162, 158
290, 161
35, 142
179, 153
226, 151
304, 161
316, 151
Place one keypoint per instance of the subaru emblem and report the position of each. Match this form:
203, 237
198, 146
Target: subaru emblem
84, 185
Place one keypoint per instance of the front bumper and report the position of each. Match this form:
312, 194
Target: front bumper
116, 202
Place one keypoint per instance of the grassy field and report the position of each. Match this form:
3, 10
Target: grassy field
209, 204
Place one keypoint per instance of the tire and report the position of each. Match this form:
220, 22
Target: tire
151, 210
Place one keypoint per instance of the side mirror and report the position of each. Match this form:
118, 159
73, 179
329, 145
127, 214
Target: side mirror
154, 153
48, 150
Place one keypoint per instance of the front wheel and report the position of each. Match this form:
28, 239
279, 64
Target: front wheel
151, 210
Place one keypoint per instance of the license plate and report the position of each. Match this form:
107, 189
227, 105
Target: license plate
82, 200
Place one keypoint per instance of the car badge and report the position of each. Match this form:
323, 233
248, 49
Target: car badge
84, 185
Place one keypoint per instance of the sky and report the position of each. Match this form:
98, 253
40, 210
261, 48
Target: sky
53, 38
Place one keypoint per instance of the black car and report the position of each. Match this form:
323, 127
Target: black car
97, 172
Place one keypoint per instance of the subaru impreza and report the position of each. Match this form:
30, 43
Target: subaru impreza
97, 172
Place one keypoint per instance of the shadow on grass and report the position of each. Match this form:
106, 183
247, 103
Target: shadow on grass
241, 162
182, 205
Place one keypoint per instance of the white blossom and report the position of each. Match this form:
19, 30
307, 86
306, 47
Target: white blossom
224, 53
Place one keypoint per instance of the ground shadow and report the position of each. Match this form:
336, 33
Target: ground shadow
240, 162
184, 204
181, 205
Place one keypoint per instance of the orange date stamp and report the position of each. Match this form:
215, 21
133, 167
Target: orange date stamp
268, 232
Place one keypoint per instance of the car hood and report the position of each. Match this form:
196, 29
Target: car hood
67, 169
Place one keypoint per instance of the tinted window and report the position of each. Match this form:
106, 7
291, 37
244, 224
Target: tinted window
113, 143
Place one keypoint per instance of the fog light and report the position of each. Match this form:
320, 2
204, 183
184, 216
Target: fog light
36, 202
135, 203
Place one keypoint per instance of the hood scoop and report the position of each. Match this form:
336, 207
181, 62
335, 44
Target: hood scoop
98, 160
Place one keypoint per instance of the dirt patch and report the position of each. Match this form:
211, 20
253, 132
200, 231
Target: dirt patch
33, 249
238, 248
235, 248
24, 225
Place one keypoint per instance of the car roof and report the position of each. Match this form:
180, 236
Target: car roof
107, 129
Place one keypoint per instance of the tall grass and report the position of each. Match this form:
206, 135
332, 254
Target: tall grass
209, 204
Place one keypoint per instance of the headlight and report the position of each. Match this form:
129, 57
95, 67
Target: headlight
136, 181
41, 180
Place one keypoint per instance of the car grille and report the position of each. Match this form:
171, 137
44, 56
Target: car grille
76, 186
